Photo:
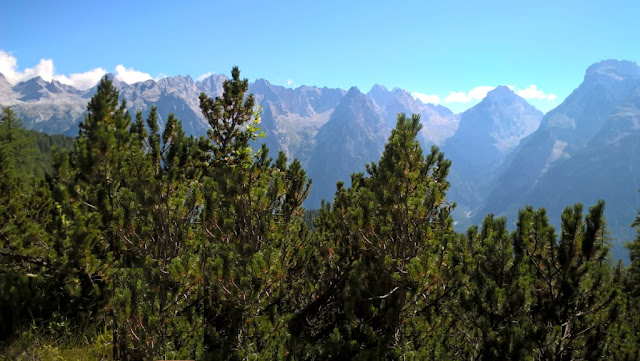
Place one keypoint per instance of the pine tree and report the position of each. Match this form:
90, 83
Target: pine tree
493, 307
634, 258
574, 295
625, 335
26, 248
156, 291
88, 186
381, 266
252, 227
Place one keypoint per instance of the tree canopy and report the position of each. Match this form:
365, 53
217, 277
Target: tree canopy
134, 241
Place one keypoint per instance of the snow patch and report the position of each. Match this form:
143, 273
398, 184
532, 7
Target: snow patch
556, 153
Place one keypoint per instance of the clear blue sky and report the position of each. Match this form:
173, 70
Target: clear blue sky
429, 47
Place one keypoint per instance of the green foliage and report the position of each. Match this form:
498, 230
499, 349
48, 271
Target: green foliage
496, 299
381, 261
137, 242
48, 145
625, 337
25, 245
574, 295
252, 228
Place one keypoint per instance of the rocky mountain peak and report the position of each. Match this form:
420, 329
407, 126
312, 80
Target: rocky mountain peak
402, 93
261, 85
353, 92
212, 85
501, 94
177, 83
377, 90
613, 69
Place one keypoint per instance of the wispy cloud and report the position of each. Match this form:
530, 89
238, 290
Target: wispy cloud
426, 98
84, 80
532, 92
9, 68
130, 75
45, 70
289, 81
476, 93
204, 76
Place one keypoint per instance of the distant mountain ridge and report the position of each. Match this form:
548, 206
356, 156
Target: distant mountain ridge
505, 153
353, 136
486, 136
587, 148
302, 122
441, 125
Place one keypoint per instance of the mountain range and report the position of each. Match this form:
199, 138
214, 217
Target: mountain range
333, 132
587, 148
505, 153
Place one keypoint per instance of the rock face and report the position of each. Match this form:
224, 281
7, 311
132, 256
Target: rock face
486, 135
52, 107
438, 122
49, 107
505, 153
353, 136
177, 95
307, 122
291, 118
584, 150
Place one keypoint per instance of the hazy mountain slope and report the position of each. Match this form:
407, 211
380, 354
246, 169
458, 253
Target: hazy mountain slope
49, 107
584, 150
291, 118
487, 134
354, 136
438, 122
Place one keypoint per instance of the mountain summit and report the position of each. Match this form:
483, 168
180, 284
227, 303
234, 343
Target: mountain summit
584, 150
487, 134
353, 136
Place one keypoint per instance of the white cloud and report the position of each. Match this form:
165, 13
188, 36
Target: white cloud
204, 76
426, 98
289, 81
476, 93
82, 81
9, 68
45, 70
532, 92
130, 75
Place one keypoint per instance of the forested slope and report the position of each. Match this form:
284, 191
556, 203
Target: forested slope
148, 244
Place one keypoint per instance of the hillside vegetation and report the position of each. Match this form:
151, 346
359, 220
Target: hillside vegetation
137, 242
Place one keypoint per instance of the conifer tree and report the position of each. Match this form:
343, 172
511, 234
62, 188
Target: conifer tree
155, 293
574, 295
493, 304
252, 228
88, 187
625, 336
634, 258
382, 261
25, 245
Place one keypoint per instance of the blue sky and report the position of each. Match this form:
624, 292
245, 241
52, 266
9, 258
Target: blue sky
449, 51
